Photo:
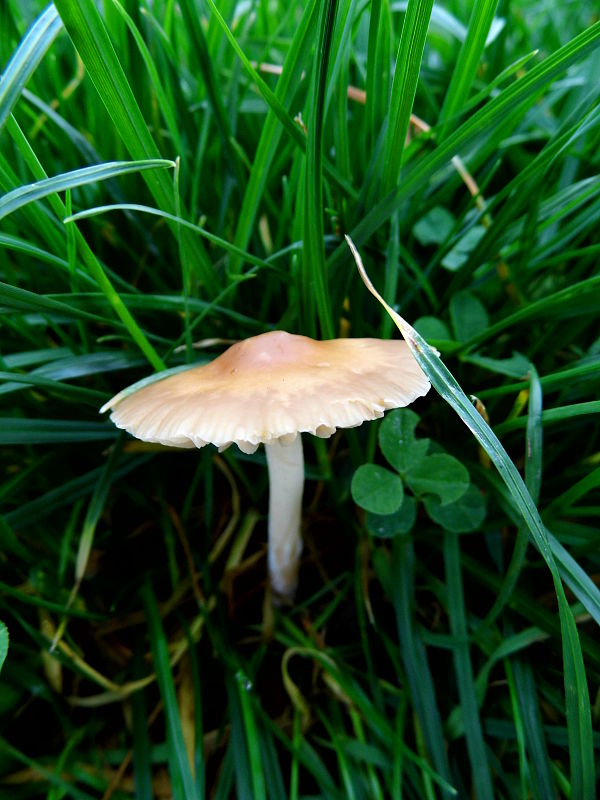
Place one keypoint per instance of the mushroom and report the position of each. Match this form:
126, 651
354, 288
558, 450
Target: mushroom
269, 389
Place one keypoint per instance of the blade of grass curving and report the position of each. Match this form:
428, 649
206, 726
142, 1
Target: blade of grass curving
19, 245
554, 415
29, 193
48, 229
564, 501
32, 48
480, 769
216, 240
182, 783
315, 289
22, 300
578, 298
90, 37
467, 64
44, 431
553, 381
15, 381
578, 709
404, 88
518, 95
513, 69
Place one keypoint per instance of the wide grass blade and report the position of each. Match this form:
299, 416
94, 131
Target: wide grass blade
29, 193
27, 56
45, 431
404, 88
465, 69
578, 708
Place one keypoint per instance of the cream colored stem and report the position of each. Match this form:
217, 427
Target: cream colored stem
286, 476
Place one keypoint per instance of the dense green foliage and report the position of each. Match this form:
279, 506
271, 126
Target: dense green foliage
164, 191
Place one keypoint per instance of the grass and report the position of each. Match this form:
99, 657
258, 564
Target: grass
164, 192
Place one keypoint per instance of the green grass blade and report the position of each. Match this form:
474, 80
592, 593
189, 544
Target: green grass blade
68, 493
3, 644
534, 733
183, 784
29, 193
314, 273
287, 86
533, 480
213, 90
142, 753
44, 431
27, 56
465, 69
553, 415
404, 88
414, 657
14, 381
274, 102
165, 106
252, 738
89, 35
482, 782
95, 509
216, 240
88, 256
378, 67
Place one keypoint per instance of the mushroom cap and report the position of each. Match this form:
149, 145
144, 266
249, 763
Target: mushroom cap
273, 386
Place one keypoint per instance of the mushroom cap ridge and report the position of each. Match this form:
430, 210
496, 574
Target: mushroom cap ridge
273, 386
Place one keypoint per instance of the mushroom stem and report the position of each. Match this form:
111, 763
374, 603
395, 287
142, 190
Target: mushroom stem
286, 476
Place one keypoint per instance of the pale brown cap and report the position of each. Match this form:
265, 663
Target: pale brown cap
273, 386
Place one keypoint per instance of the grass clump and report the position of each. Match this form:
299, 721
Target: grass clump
178, 176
